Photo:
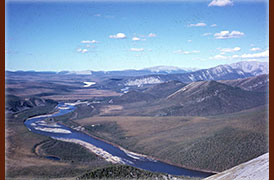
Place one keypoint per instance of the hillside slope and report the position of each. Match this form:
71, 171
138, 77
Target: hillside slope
15, 103
257, 83
210, 98
222, 72
255, 169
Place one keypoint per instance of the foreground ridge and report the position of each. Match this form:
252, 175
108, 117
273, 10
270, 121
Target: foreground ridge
255, 169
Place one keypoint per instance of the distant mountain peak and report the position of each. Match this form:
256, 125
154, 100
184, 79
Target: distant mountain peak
169, 69
254, 67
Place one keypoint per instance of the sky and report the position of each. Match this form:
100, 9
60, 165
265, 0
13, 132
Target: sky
118, 35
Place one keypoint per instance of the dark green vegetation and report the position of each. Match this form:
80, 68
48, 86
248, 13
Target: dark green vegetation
124, 172
225, 148
65, 151
213, 143
112, 133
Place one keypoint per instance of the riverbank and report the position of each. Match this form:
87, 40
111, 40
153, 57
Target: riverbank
194, 142
135, 155
130, 153
98, 151
107, 151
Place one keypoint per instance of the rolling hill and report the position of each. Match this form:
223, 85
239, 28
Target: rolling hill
256, 83
201, 98
15, 104
211, 98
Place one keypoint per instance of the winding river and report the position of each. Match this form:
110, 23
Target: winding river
40, 125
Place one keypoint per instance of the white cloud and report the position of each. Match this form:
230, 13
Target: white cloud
197, 25
152, 35
185, 52
235, 56
254, 56
82, 50
218, 57
228, 35
137, 49
136, 39
264, 54
86, 41
89, 42
207, 34
255, 49
213, 25
178, 51
118, 36
189, 40
229, 50
221, 3
249, 57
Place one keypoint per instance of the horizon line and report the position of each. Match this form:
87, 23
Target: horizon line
181, 68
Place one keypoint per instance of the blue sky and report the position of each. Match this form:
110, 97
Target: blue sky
91, 35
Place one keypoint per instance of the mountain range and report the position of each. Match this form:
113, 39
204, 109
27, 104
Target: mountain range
235, 71
217, 90
210, 98
244, 68
221, 72
200, 98
134, 72
240, 69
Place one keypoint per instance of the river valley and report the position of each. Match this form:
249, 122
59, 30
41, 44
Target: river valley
111, 153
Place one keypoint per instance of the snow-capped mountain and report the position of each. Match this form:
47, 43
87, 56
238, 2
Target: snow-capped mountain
159, 74
169, 69
86, 72
255, 68
222, 72
134, 72
142, 81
